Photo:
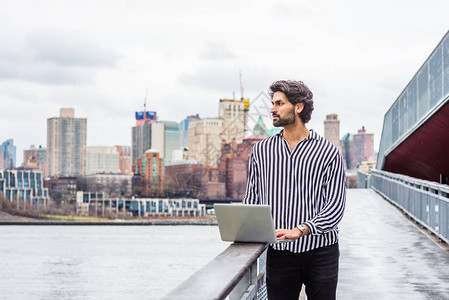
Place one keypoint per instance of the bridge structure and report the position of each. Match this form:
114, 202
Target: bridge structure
389, 249
394, 236
415, 135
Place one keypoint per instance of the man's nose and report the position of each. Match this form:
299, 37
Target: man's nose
273, 110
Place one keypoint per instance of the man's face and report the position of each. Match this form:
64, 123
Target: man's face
283, 112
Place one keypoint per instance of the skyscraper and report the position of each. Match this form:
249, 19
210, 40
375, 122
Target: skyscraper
102, 159
332, 130
148, 135
183, 129
205, 141
66, 144
358, 147
364, 145
8, 155
233, 112
172, 139
150, 170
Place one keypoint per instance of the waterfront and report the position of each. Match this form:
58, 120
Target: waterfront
145, 262
101, 262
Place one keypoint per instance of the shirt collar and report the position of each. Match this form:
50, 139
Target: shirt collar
312, 135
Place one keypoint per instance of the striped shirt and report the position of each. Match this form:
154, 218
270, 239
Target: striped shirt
305, 185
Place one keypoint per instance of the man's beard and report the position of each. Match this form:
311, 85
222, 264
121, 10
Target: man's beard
287, 120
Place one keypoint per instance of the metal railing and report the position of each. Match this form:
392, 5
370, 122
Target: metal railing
363, 180
425, 201
236, 273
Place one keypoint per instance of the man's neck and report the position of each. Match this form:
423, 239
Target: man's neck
295, 133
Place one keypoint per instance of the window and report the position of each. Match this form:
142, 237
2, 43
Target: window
19, 180
26, 181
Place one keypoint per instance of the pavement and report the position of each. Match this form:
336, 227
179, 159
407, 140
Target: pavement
386, 255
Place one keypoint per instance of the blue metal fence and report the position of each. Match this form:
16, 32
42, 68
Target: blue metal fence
425, 201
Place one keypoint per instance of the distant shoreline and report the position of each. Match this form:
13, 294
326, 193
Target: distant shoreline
8, 219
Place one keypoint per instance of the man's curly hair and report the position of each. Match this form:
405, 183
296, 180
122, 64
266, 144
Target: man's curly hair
296, 92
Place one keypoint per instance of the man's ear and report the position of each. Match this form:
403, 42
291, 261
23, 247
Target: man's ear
299, 107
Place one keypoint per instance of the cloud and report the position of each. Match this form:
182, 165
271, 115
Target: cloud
69, 49
43, 73
225, 78
55, 59
215, 51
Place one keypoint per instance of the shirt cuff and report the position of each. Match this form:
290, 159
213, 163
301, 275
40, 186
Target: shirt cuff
312, 228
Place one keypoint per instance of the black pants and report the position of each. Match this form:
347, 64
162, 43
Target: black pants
316, 269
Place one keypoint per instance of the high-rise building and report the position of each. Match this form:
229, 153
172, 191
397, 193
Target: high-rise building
332, 130
143, 116
183, 130
66, 144
148, 135
234, 115
35, 158
150, 170
358, 147
205, 141
125, 159
172, 139
348, 151
102, 159
364, 145
8, 155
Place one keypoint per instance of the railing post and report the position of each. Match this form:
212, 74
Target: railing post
246, 285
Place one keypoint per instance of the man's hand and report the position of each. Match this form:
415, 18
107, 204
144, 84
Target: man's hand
293, 234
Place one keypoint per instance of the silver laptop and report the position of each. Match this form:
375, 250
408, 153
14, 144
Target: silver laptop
246, 223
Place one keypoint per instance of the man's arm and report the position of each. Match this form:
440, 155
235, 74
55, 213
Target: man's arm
252, 193
335, 192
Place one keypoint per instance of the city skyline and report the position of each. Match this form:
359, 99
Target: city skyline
100, 59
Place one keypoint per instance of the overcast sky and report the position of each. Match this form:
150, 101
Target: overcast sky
99, 57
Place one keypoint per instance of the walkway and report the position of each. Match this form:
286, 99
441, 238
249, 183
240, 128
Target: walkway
384, 255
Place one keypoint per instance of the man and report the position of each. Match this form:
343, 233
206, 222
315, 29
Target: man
301, 176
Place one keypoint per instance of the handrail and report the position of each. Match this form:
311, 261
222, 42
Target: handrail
363, 180
424, 201
233, 271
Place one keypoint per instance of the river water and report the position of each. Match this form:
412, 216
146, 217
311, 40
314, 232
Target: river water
101, 262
